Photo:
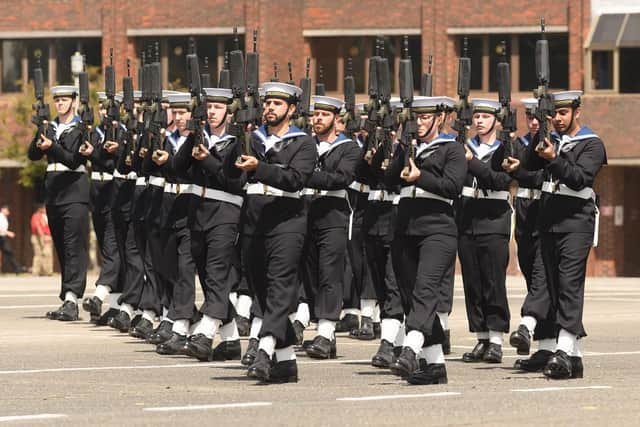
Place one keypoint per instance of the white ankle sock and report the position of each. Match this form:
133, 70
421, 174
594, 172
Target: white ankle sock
400, 337
496, 337
566, 341
482, 335
414, 341
530, 322
149, 315
113, 300
577, 348
302, 315
327, 329
547, 344
127, 308
292, 317
354, 311
366, 307
256, 325
207, 326
70, 296
102, 292
376, 314
233, 299
268, 344
444, 320
434, 353
180, 326
165, 314
229, 332
243, 308
284, 354
389, 329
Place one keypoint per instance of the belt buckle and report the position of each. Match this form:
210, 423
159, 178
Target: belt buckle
178, 188
361, 188
381, 197
204, 191
316, 192
476, 192
413, 191
265, 189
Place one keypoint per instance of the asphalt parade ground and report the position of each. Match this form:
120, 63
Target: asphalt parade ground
56, 373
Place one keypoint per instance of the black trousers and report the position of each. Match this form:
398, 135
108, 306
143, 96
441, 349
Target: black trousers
356, 270
8, 258
484, 259
213, 252
69, 226
103, 225
131, 260
445, 292
177, 251
537, 303
422, 264
165, 270
271, 264
565, 263
383, 285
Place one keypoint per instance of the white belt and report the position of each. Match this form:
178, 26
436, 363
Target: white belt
59, 167
131, 176
381, 196
266, 190
477, 193
359, 187
324, 193
210, 193
528, 193
157, 181
177, 188
414, 192
101, 176
563, 190
142, 181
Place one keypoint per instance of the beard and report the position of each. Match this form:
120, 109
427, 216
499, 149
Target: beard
322, 130
274, 121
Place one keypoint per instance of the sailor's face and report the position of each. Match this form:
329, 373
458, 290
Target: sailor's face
563, 119
216, 113
483, 122
340, 126
425, 122
322, 121
62, 104
181, 116
532, 124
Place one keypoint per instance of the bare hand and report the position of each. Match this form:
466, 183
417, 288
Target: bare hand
111, 146
86, 149
467, 153
414, 172
45, 143
549, 151
248, 164
160, 157
142, 152
11, 234
511, 164
200, 152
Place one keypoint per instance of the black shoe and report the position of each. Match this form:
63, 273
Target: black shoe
175, 345
348, 323
493, 354
142, 330
199, 346
322, 348
559, 366
121, 322
134, 322
306, 344
106, 316
521, 340
53, 314
162, 333
577, 368
261, 367
377, 330
283, 372
406, 364
535, 363
446, 345
434, 373
92, 305
477, 353
384, 357
298, 327
251, 353
244, 326
227, 350
67, 312
365, 331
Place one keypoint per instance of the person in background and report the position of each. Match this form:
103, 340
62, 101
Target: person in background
41, 243
6, 235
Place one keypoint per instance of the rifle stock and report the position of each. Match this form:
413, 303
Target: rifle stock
463, 108
545, 106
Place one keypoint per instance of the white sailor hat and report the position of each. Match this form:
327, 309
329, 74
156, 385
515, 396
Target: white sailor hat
218, 94
568, 98
179, 100
395, 102
326, 103
137, 95
261, 92
102, 96
427, 104
360, 108
312, 108
119, 97
448, 103
529, 104
166, 93
281, 90
67, 90
486, 106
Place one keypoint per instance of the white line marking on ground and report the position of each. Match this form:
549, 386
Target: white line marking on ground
590, 387
397, 396
13, 307
201, 407
27, 295
31, 417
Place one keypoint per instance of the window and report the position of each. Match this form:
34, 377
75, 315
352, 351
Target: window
629, 60
12, 52
496, 51
558, 61
64, 50
474, 51
602, 69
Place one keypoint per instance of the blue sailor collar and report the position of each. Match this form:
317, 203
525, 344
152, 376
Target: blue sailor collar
74, 122
441, 139
525, 140
100, 132
293, 132
566, 142
325, 147
474, 145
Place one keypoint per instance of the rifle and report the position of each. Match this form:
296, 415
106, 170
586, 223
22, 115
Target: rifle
545, 99
198, 100
245, 107
426, 82
407, 118
372, 106
224, 80
158, 119
303, 110
320, 89
111, 105
351, 118
84, 109
463, 108
385, 115
507, 115
205, 77
40, 109
129, 118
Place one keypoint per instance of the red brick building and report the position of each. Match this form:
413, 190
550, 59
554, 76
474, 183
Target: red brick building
584, 56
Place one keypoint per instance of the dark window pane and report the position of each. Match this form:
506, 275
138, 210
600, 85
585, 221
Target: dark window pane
559, 61
325, 51
629, 60
602, 70
12, 52
475, 53
495, 56
415, 52
356, 50
39, 49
